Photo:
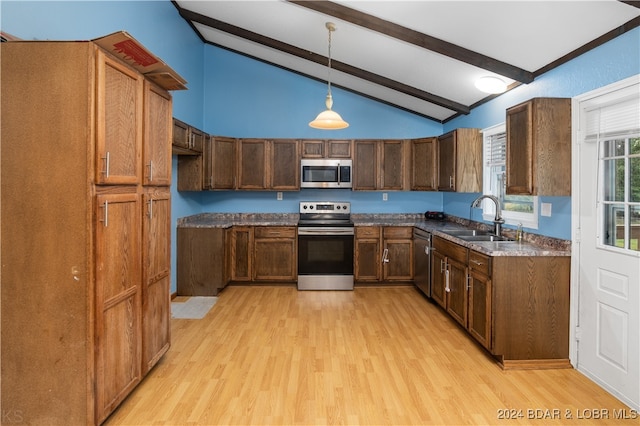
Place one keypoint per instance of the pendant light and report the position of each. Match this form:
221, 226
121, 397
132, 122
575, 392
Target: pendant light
329, 119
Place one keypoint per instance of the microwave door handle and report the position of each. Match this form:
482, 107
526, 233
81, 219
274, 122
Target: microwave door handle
339, 172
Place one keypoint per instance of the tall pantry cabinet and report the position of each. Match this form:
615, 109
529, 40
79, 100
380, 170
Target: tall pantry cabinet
85, 233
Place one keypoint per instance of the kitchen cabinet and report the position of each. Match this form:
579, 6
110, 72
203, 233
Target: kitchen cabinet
380, 165
219, 163
241, 253
423, 164
326, 148
539, 147
449, 285
459, 159
383, 254
156, 279
265, 164
284, 165
517, 307
201, 261
275, 253
85, 276
479, 319
187, 140
156, 157
252, 164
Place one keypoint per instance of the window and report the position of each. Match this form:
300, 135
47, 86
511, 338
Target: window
516, 209
616, 128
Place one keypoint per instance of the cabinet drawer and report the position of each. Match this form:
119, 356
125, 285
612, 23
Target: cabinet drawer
479, 262
275, 232
451, 250
367, 232
397, 232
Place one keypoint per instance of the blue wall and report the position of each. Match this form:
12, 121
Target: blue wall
232, 95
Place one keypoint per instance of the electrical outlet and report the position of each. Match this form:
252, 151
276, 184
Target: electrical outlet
385, 196
545, 209
279, 196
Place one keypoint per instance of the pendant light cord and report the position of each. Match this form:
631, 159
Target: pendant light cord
329, 70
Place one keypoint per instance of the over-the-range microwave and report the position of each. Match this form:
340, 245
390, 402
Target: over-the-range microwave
325, 173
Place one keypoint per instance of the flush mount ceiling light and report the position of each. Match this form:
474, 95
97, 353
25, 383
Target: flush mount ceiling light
329, 119
491, 85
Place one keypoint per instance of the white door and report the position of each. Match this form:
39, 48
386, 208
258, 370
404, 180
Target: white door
606, 204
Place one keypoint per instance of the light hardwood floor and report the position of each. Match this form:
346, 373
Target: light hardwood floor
372, 356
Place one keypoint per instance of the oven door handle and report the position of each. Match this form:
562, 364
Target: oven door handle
325, 231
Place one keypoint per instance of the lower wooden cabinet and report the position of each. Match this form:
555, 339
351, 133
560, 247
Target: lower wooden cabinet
515, 306
275, 254
201, 261
383, 254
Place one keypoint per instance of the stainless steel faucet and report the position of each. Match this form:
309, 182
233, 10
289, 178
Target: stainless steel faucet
498, 220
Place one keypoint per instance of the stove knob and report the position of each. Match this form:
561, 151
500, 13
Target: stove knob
338, 207
311, 207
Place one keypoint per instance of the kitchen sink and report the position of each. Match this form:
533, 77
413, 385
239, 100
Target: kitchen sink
475, 235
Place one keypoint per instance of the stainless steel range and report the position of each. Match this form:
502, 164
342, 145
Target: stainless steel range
325, 246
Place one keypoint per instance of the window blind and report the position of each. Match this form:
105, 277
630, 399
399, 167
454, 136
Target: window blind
614, 120
496, 150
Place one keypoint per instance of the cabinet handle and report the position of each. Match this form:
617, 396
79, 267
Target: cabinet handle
443, 265
450, 181
106, 165
468, 282
426, 249
447, 289
150, 211
105, 216
475, 262
150, 165
385, 256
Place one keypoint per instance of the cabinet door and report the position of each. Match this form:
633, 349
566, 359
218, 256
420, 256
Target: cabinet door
222, 163
201, 266
365, 165
480, 308
118, 316
339, 149
520, 149
447, 162
367, 254
438, 278
392, 165
119, 115
156, 152
457, 291
180, 138
156, 281
285, 165
399, 266
240, 254
252, 164
275, 254
423, 164
313, 149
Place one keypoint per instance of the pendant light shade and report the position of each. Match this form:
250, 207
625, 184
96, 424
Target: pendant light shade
329, 119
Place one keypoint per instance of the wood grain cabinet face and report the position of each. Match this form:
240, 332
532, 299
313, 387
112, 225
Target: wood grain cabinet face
423, 164
383, 254
459, 158
156, 279
201, 263
326, 148
220, 163
119, 118
480, 298
252, 164
156, 152
284, 165
118, 299
275, 254
380, 165
539, 147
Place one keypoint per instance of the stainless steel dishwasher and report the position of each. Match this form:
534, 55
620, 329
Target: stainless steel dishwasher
422, 260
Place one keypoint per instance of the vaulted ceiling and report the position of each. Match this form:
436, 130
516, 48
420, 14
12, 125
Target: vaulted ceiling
420, 56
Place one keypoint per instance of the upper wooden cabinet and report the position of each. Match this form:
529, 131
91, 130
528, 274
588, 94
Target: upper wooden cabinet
423, 164
187, 140
156, 152
539, 147
326, 148
119, 122
380, 165
459, 157
268, 164
252, 164
284, 165
220, 163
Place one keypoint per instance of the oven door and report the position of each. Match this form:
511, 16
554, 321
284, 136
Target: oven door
325, 258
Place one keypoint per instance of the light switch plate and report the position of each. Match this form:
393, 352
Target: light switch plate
279, 196
385, 196
545, 209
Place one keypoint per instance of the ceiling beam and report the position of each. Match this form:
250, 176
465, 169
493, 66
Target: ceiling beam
417, 38
191, 16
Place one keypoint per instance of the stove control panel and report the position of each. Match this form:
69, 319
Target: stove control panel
341, 207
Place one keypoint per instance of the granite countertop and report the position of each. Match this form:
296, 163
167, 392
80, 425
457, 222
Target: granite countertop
532, 245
